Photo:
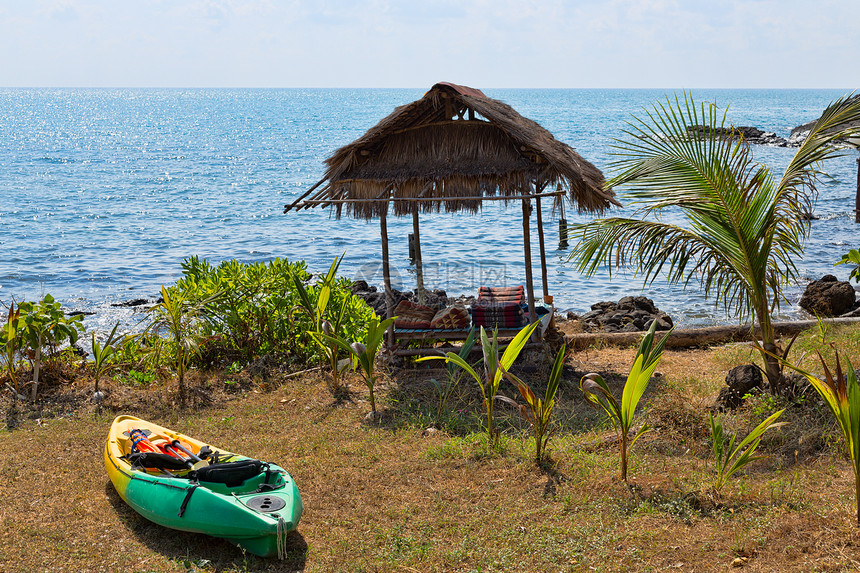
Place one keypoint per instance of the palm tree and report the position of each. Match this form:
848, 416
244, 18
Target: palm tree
742, 227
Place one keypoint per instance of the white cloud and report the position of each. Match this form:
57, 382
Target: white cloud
486, 43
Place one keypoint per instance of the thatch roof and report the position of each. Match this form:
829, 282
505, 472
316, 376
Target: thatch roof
454, 147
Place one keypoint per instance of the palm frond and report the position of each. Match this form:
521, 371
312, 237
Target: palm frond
835, 123
742, 230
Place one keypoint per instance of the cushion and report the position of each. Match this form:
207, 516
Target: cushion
451, 317
413, 315
499, 315
489, 295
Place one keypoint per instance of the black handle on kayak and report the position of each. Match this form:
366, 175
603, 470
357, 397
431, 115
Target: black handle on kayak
175, 453
176, 444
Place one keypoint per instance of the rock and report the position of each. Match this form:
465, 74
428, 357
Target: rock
663, 323
361, 286
630, 314
828, 297
435, 297
640, 303
590, 315
749, 134
740, 381
131, 303
78, 351
800, 133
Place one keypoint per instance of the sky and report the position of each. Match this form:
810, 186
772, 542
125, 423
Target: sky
390, 43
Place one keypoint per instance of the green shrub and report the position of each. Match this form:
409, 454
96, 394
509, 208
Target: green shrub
254, 313
36, 330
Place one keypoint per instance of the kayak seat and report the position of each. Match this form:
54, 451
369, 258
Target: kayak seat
231, 474
154, 460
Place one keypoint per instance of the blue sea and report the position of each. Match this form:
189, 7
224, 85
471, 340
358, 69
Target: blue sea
103, 192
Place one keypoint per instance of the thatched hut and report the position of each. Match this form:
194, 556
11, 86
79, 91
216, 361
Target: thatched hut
453, 149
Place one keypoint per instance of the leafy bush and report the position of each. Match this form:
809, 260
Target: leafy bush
36, 330
251, 313
254, 312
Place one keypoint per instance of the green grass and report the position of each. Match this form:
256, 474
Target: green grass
394, 497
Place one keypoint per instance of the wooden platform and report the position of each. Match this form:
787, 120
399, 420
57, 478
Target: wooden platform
444, 335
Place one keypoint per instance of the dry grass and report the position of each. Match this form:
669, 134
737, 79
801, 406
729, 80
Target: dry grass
395, 497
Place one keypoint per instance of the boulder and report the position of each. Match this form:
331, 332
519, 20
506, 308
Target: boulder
629, 314
749, 134
131, 303
361, 286
639, 303
828, 297
800, 133
740, 381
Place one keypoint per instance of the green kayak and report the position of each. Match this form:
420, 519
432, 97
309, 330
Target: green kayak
184, 484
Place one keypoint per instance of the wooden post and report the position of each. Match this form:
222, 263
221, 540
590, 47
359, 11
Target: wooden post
527, 247
419, 265
543, 271
386, 274
857, 197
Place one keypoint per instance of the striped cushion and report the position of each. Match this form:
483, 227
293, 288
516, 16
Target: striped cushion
489, 295
413, 315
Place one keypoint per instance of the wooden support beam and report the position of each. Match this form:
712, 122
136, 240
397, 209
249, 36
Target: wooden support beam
419, 265
292, 205
527, 248
386, 275
543, 270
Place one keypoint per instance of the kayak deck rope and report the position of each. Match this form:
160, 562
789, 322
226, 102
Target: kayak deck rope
280, 535
282, 538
